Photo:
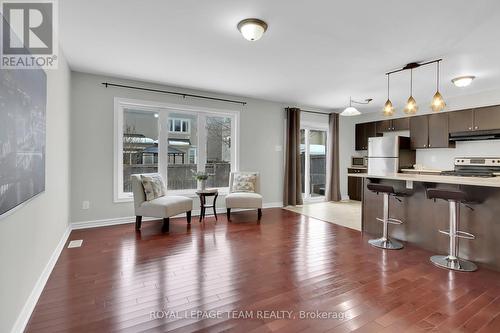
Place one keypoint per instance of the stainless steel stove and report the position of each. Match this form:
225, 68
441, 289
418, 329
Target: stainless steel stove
475, 167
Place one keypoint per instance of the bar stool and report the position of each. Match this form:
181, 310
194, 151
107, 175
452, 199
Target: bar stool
452, 261
385, 242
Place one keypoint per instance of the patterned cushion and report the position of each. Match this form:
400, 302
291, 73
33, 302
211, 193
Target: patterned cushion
153, 186
244, 182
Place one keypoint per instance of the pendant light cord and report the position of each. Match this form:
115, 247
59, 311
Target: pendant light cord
388, 76
437, 88
411, 82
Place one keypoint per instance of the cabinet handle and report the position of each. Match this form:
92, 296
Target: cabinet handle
470, 128
425, 146
476, 127
429, 146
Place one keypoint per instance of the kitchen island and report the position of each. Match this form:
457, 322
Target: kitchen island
423, 218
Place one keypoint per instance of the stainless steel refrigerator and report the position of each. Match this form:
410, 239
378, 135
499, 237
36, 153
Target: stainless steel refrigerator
389, 154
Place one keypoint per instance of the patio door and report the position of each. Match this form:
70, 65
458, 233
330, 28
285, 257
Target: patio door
313, 159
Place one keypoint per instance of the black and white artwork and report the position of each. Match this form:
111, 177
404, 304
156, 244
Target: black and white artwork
23, 98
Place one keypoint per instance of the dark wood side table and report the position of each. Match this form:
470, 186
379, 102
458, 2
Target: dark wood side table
203, 201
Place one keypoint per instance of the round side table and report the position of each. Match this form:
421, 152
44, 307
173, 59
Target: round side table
203, 201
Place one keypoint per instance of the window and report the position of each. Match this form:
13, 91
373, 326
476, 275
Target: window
192, 139
176, 125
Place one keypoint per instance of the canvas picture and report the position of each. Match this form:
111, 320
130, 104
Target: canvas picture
23, 98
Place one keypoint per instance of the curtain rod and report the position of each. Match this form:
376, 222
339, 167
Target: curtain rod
317, 112
109, 84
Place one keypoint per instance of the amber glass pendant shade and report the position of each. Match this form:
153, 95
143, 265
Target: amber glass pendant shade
411, 106
388, 109
438, 103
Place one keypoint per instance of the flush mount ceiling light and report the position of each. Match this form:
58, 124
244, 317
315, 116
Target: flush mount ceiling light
463, 81
411, 105
388, 109
351, 110
252, 29
438, 103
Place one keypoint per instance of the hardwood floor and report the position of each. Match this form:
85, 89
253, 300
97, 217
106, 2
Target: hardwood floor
119, 279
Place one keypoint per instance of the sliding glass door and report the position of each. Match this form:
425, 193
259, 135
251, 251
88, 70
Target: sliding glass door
313, 160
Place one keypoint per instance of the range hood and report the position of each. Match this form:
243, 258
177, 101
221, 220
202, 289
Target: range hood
475, 135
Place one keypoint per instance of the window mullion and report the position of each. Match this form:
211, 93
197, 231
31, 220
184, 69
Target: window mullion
202, 142
163, 128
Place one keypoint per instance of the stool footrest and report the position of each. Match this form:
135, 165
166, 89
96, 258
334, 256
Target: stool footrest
390, 220
459, 234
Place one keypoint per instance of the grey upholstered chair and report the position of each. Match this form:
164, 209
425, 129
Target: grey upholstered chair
252, 200
162, 207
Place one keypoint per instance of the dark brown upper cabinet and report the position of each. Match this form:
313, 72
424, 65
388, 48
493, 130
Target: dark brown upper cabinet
461, 121
430, 131
487, 118
389, 125
401, 124
439, 131
363, 132
419, 132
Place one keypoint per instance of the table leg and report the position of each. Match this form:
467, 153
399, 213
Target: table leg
215, 212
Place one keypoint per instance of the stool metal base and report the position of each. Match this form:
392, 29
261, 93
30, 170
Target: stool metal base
385, 243
455, 264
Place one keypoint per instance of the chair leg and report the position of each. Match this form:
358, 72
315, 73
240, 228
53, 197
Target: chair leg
188, 217
228, 214
166, 224
259, 213
138, 222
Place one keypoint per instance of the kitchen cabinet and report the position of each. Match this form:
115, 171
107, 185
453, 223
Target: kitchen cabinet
364, 131
355, 184
430, 131
401, 124
439, 131
461, 121
487, 118
389, 125
419, 132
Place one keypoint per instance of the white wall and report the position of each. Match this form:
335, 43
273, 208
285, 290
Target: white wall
439, 158
261, 130
29, 236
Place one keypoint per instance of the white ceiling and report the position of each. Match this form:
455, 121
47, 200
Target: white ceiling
315, 53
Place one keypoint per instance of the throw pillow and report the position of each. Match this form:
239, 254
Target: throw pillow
153, 186
244, 182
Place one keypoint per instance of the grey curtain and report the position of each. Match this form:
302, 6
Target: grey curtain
292, 185
332, 189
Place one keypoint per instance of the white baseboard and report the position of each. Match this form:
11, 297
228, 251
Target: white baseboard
131, 219
29, 306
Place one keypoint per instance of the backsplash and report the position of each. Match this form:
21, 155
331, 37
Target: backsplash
442, 158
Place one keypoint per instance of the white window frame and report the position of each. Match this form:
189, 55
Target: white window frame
182, 120
163, 110
307, 127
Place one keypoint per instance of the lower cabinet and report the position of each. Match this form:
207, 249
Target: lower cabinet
355, 184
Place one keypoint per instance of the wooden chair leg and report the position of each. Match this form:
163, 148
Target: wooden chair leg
138, 222
166, 225
228, 214
188, 217
259, 213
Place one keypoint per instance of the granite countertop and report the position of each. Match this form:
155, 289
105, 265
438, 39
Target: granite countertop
473, 181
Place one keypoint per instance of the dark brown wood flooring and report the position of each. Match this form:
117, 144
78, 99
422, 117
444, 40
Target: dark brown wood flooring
287, 262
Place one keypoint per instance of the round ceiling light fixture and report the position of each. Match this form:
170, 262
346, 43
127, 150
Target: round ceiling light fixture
252, 29
463, 81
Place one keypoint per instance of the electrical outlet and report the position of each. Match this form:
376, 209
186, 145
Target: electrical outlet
85, 204
278, 148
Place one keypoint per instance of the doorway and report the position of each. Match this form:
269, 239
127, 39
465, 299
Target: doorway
313, 162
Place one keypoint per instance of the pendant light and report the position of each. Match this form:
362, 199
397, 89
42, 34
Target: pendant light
438, 103
411, 105
388, 109
350, 110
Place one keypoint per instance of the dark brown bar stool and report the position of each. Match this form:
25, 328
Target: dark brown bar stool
385, 242
452, 261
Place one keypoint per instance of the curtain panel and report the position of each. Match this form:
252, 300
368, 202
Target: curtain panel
332, 188
292, 183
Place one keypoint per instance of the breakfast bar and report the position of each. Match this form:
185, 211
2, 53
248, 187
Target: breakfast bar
423, 217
